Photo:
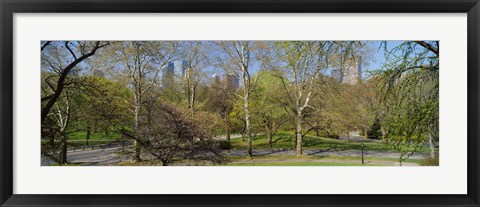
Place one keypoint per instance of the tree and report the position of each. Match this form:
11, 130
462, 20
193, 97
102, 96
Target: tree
194, 57
101, 103
409, 95
62, 115
221, 102
333, 109
55, 58
362, 99
237, 58
61, 63
176, 135
302, 61
140, 63
266, 103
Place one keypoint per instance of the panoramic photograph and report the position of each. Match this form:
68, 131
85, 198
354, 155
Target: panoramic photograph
240, 103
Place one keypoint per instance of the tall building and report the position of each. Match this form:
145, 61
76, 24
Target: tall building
174, 72
181, 68
168, 75
215, 79
232, 81
337, 74
229, 82
350, 73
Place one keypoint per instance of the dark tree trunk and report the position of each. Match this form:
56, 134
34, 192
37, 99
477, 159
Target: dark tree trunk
88, 133
63, 155
165, 162
61, 82
227, 127
106, 131
270, 142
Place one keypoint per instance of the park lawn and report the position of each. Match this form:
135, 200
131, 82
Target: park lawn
273, 163
82, 135
286, 160
285, 140
77, 139
312, 158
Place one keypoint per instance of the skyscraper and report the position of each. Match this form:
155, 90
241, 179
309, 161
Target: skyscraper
350, 73
168, 75
337, 74
174, 73
232, 81
181, 68
215, 79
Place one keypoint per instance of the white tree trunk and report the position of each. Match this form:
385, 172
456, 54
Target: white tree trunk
298, 132
432, 145
136, 147
247, 125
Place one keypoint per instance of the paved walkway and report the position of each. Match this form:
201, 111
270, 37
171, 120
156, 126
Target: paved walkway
113, 155
107, 156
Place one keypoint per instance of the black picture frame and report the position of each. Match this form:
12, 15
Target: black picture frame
10, 7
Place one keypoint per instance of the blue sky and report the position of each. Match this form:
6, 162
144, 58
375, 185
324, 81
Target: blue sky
379, 54
375, 63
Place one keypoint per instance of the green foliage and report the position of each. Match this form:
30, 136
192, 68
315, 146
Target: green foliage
409, 95
127, 98
374, 131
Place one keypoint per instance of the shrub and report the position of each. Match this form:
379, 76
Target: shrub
327, 135
224, 145
173, 135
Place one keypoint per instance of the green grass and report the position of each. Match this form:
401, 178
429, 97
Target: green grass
288, 160
315, 157
112, 135
286, 140
77, 139
310, 158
